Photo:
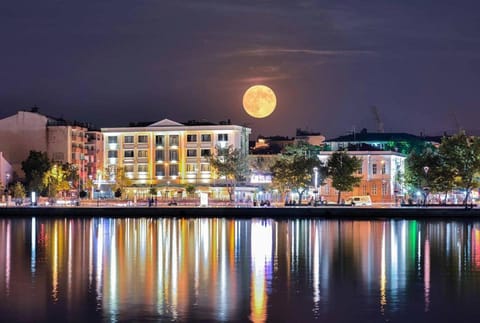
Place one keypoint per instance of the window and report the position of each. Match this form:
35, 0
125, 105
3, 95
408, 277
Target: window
205, 167
359, 171
384, 168
142, 168
374, 189
191, 167
384, 189
206, 138
173, 155
173, 140
191, 152
205, 152
128, 168
112, 154
112, 139
222, 137
142, 153
159, 170
327, 189
159, 155
128, 139
142, 139
374, 169
128, 154
364, 189
160, 140
191, 138
173, 170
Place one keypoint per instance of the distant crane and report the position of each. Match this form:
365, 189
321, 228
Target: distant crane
378, 120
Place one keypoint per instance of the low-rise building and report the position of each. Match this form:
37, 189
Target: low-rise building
380, 177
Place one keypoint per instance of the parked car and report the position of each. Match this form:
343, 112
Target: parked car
363, 200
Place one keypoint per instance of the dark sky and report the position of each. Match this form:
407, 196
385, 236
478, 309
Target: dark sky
113, 61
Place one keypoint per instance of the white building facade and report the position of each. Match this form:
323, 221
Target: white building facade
168, 154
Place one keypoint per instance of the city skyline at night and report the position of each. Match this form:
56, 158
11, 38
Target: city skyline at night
111, 63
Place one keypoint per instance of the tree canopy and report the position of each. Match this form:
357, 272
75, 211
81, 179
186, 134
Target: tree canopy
34, 167
230, 164
341, 169
293, 170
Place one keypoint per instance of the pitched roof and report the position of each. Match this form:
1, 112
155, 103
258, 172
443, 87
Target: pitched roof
165, 123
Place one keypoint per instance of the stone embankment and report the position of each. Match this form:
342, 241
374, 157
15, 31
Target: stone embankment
245, 212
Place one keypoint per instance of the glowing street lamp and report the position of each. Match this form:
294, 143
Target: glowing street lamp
315, 171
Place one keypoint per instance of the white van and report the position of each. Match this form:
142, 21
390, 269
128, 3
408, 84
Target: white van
364, 200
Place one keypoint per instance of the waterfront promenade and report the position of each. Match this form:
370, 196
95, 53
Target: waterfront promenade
244, 212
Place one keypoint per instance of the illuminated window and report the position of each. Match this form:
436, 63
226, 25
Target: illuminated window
205, 152
173, 140
206, 138
128, 139
142, 168
191, 152
374, 169
159, 155
112, 139
205, 167
222, 137
128, 168
160, 140
191, 138
173, 170
142, 153
173, 155
112, 154
159, 170
191, 167
128, 154
142, 139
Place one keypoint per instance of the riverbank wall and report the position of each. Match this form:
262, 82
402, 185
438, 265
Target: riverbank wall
243, 212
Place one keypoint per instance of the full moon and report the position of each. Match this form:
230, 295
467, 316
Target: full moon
259, 101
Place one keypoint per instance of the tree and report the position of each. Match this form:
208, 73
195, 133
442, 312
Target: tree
341, 169
120, 181
428, 172
55, 180
294, 170
35, 167
190, 189
19, 190
230, 164
462, 156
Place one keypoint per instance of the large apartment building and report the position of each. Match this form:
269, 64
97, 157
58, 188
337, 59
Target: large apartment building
168, 153
63, 141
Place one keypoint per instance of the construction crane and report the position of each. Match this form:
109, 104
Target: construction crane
378, 120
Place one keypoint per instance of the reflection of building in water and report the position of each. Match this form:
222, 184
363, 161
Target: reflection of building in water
220, 269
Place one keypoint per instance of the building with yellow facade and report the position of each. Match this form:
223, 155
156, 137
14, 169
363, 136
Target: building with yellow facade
167, 155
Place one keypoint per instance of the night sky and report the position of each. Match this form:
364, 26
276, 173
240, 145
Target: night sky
110, 62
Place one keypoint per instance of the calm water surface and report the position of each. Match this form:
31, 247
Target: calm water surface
238, 270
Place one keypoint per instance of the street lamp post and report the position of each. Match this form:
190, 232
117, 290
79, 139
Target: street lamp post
7, 175
426, 189
315, 171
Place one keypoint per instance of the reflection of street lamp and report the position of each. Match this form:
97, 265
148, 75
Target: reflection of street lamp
315, 171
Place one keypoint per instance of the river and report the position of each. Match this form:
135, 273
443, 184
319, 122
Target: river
214, 269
